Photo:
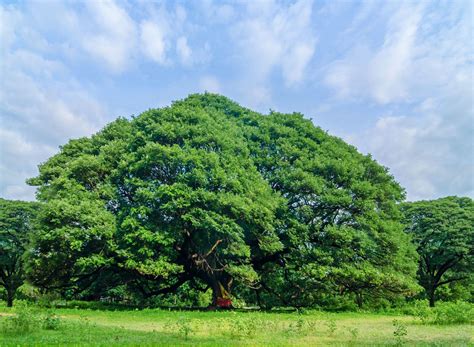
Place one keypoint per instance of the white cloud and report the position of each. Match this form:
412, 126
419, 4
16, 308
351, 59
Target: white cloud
383, 74
50, 113
432, 153
216, 11
114, 34
165, 29
275, 37
294, 64
258, 96
50, 108
391, 65
153, 42
420, 51
19, 157
362, 17
423, 61
8, 19
425, 163
41, 106
183, 50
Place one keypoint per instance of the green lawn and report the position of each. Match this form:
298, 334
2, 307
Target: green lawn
161, 327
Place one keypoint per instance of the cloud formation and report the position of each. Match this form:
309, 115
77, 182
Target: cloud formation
382, 74
153, 41
114, 35
274, 36
423, 72
394, 79
431, 155
41, 105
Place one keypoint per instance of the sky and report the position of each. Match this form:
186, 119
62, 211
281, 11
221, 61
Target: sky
393, 78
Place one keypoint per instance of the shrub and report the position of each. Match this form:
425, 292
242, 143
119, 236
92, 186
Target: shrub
28, 320
184, 327
459, 312
298, 327
354, 332
422, 311
331, 325
243, 327
22, 323
48, 300
51, 321
400, 331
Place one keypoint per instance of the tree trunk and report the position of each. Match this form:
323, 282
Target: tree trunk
432, 300
431, 296
259, 300
10, 295
221, 293
359, 300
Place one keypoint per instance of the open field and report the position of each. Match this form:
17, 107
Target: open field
161, 327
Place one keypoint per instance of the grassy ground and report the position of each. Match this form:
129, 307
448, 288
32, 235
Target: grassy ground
161, 327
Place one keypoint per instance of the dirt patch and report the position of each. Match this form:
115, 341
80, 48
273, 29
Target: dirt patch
4, 314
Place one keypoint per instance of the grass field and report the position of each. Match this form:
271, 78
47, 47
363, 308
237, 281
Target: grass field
161, 327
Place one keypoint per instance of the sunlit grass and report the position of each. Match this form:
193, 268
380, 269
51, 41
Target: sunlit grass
230, 328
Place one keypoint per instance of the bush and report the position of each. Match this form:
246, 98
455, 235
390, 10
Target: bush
22, 323
48, 300
354, 332
459, 312
184, 327
51, 321
422, 311
331, 325
297, 327
28, 320
243, 327
400, 331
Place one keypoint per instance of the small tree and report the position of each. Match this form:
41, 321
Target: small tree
443, 231
16, 223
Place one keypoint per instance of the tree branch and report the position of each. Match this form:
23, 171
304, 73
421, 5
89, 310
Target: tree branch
212, 248
452, 280
167, 290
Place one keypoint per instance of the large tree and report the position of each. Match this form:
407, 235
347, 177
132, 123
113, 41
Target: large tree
17, 220
208, 192
341, 229
171, 197
443, 231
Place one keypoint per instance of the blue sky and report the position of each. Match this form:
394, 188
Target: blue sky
393, 78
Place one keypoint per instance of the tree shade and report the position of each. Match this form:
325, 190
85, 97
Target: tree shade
213, 194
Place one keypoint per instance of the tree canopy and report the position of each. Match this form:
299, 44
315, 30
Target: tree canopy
443, 231
17, 223
209, 193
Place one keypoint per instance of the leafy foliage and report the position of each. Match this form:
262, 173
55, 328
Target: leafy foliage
444, 313
400, 331
443, 231
17, 223
211, 194
22, 323
458, 312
